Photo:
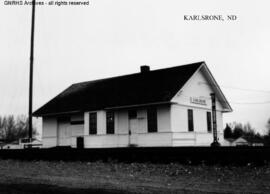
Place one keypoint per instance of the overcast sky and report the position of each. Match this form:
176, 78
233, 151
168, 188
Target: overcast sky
115, 37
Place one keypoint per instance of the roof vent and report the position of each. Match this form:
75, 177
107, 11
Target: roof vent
145, 68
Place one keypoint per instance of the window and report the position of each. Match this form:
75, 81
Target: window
209, 121
77, 119
132, 114
152, 119
190, 120
78, 122
93, 123
110, 122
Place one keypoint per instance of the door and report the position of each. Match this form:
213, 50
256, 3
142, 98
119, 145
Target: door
133, 132
64, 134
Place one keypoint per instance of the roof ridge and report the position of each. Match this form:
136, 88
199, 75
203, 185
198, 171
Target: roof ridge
138, 73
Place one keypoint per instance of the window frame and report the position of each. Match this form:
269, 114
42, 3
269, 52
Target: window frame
93, 125
152, 122
110, 129
209, 121
190, 120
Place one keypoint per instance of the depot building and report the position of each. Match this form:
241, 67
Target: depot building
152, 108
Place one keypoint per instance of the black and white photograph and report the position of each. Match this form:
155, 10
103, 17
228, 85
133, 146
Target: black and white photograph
134, 96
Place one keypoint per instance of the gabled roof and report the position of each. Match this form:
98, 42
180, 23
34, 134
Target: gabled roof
216, 89
157, 86
240, 140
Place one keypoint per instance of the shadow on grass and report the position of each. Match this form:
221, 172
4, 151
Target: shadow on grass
52, 189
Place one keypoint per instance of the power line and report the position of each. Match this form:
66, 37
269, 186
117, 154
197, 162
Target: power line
245, 89
237, 88
251, 103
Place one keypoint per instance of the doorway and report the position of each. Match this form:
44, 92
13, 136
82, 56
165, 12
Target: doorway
63, 133
133, 128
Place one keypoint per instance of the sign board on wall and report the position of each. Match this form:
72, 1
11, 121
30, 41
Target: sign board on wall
196, 100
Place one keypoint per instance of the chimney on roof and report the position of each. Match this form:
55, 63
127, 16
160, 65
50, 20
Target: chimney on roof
145, 68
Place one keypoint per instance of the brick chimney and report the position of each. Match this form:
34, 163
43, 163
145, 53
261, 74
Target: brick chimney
145, 68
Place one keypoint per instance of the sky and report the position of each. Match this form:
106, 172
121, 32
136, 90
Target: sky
115, 37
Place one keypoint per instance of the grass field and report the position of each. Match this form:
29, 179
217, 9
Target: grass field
98, 177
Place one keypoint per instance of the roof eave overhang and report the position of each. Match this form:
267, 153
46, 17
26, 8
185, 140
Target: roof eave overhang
138, 105
227, 110
107, 108
57, 113
228, 107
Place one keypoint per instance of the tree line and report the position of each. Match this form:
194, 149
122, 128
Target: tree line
13, 128
235, 130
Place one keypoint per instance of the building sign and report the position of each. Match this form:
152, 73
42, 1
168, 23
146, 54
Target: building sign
196, 100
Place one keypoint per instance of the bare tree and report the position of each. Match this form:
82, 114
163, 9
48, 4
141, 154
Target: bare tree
268, 127
267, 135
12, 128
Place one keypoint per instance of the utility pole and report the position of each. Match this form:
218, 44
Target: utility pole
31, 70
214, 117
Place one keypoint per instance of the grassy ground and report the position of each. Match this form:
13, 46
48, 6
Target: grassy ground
98, 177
